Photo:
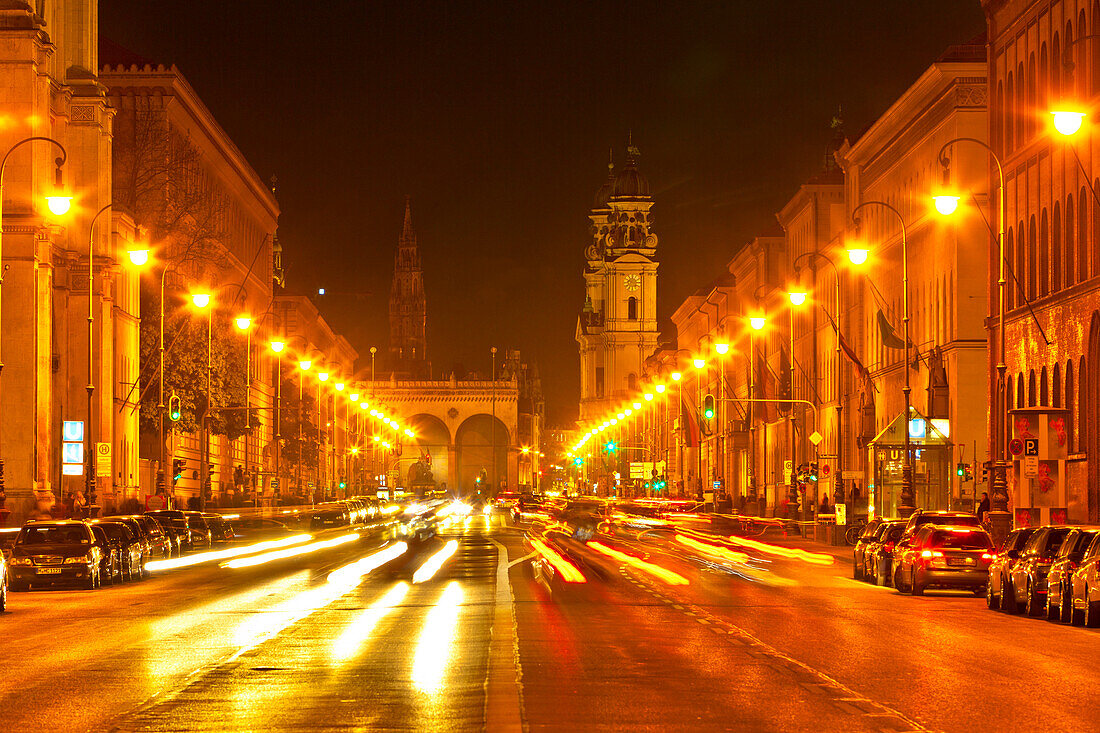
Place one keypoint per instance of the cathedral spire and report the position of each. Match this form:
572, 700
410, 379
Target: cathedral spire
407, 233
408, 306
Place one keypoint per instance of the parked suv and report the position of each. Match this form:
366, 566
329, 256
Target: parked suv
879, 556
1065, 562
921, 517
859, 551
999, 593
945, 557
50, 552
1085, 582
1029, 573
176, 524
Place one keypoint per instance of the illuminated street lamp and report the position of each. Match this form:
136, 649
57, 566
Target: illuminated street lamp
54, 207
797, 297
858, 255
305, 365
699, 363
907, 496
675, 376
1000, 518
138, 257
722, 348
660, 388
946, 204
278, 346
758, 322
1068, 122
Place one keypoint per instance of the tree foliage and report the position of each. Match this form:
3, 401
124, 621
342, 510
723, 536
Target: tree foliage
298, 427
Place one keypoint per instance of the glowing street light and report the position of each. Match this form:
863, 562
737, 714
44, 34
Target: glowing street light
758, 322
637, 405
648, 396
700, 363
354, 396
797, 297
1068, 122
722, 348
675, 376
305, 364
243, 322
323, 376
201, 300
278, 346
858, 255
339, 386
660, 388
138, 257
946, 204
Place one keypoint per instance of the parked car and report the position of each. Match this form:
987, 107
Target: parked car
201, 536
921, 517
161, 542
1028, 574
944, 557
128, 546
999, 593
7, 540
175, 523
143, 539
55, 551
220, 528
3, 583
1085, 587
878, 565
860, 549
110, 569
329, 515
1069, 556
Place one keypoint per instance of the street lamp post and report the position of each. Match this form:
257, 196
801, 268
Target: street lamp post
90, 477
493, 351
839, 493
202, 301
907, 497
999, 517
58, 205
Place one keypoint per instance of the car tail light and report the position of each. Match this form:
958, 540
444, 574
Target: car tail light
931, 553
988, 555
889, 546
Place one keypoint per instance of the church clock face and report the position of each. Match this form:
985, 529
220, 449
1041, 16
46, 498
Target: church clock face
632, 283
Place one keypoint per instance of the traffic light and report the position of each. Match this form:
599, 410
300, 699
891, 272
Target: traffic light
175, 411
177, 470
960, 469
578, 461
611, 446
811, 473
343, 485
708, 407
969, 473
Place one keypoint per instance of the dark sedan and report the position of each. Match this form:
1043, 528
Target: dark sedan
175, 524
220, 528
329, 515
201, 535
1065, 562
999, 592
128, 547
921, 517
1085, 587
110, 569
878, 566
944, 557
51, 552
860, 550
1028, 574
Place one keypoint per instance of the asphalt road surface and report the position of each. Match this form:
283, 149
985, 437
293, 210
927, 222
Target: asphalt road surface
781, 645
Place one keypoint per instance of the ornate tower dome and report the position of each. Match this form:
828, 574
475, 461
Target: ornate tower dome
630, 183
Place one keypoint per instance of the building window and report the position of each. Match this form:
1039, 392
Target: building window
632, 308
1031, 388
1082, 426
1010, 254
1069, 399
599, 381
1032, 275
1044, 395
1071, 250
1056, 249
1056, 386
1044, 255
1082, 236
632, 382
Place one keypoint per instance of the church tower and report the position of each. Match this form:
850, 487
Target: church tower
408, 307
617, 327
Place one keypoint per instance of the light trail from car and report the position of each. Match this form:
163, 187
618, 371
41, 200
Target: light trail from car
790, 553
247, 562
433, 564
433, 650
184, 562
569, 572
361, 627
662, 574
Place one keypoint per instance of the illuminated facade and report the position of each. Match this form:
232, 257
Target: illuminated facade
617, 327
1044, 56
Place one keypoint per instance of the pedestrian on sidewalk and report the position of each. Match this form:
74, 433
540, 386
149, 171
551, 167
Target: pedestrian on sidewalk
983, 508
824, 508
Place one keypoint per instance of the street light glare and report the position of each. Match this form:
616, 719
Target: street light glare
138, 257
648, 396
858, 255
201, 300
722, 348
323, 376
339, 386
797, 298
1068, 122
243, 322
758, 322
305, 364
637, 405
660, 388
278, 346
675, 376
700, 363
945, 204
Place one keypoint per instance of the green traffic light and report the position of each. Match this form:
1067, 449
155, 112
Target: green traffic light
709, 414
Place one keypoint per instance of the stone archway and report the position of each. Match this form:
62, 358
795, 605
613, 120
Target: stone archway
474, 452
433, 438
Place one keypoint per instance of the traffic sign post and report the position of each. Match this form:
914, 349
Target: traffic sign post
103, 460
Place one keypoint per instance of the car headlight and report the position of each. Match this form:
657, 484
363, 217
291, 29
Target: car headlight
78, 560
20, 561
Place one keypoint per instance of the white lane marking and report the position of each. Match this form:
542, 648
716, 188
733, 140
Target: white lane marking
504, 677
522, 559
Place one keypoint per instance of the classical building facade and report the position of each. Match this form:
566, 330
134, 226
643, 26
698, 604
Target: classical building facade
617, 327
59, 366
1044, 56
408, 307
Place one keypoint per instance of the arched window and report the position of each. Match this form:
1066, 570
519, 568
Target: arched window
1056, 69
1044, 393
997, 131
1044, 255
1010, 254
1009, 404
1056, 249
1082, 236
1068, 75
1032, 90
1082, 405
1021, 261
1023, 112
1056, 386
1031, 388
1020, 390
1032, 263
1010, 113
1071, 247
1082, 70
1044, 79
1069, 400
632, 308
632, 382
1095, 87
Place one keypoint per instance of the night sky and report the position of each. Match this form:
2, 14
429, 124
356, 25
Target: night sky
497, 117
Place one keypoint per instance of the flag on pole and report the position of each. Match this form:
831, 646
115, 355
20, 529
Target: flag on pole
691, 421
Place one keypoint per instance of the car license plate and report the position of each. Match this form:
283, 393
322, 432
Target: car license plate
960, 561
48, 571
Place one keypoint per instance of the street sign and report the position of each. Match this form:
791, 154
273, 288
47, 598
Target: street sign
103, 459
816, 437
72, 469
1031, 466
1016, 447
787, 476
72, 431
826, 469
642, 469
840, 511
788, 466
274, 483
856, 475
72, 452
1031, 447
